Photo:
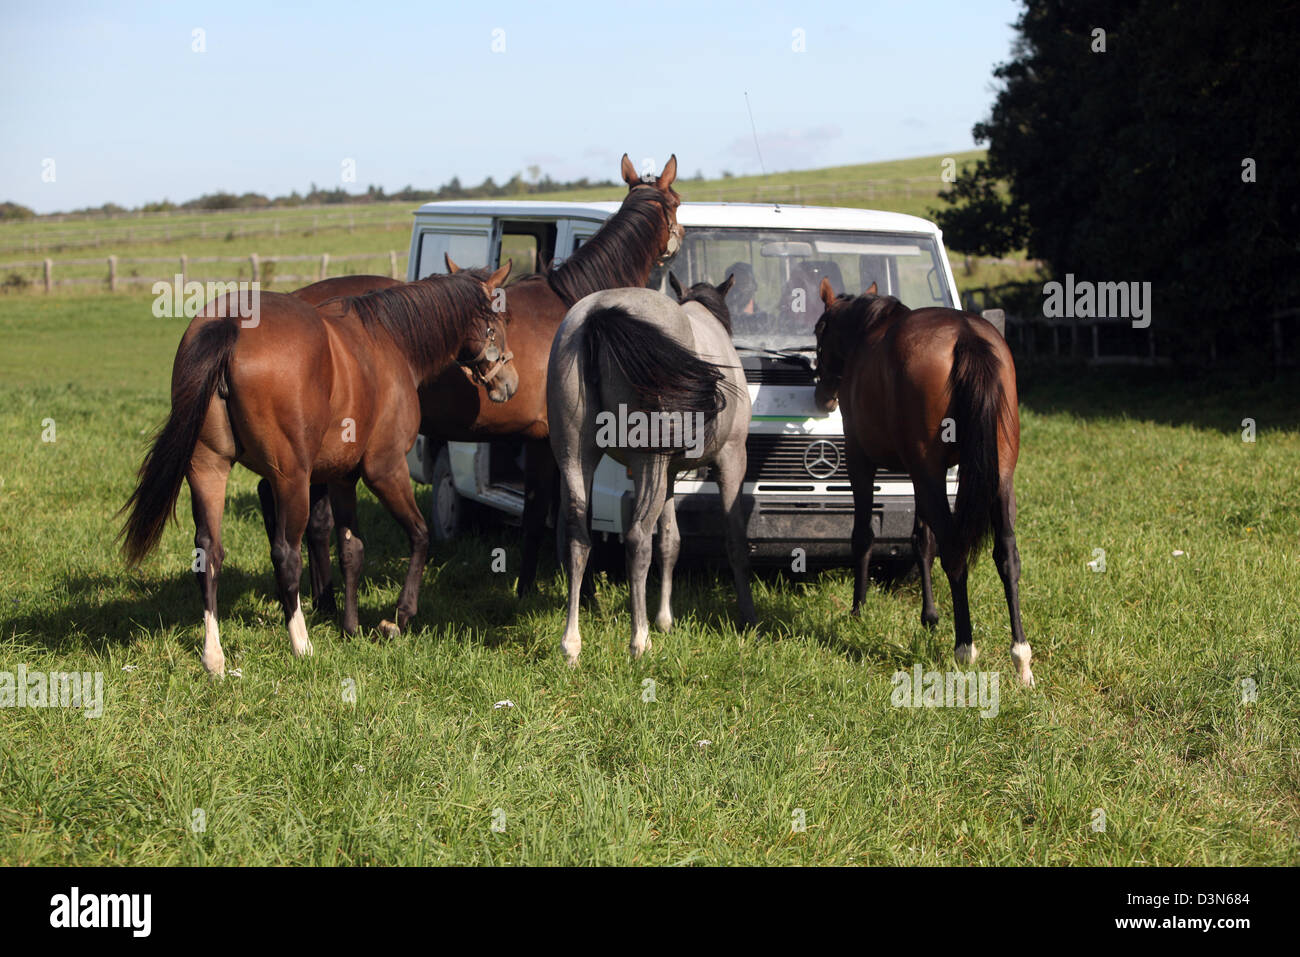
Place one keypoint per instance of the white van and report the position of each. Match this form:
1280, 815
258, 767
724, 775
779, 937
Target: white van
796, 492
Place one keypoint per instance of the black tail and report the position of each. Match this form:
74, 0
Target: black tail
977, 406
200, 365
666, 376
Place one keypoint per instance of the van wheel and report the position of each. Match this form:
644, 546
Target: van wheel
448, 509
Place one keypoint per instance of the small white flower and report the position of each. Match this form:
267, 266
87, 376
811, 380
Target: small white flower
1178, 551
359, 768
129, 667
704, 743
507, 703
236, 672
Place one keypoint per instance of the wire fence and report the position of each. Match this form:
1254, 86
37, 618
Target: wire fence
122, 272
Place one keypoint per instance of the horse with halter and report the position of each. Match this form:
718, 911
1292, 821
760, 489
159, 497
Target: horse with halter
637, 349
628, 246
311, 399
904, 380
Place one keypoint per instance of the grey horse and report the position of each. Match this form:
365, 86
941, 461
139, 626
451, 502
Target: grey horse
656, 385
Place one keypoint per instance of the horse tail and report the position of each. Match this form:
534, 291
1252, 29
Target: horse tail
664, 374
977, 405
200, 368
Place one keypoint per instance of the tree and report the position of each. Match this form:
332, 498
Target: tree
1122, 156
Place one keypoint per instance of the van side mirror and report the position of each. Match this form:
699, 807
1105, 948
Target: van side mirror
998, 317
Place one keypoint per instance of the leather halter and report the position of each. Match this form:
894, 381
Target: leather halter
496, 360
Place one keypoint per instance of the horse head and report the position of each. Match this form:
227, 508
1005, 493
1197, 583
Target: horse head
484, 353
832, 345
670, 238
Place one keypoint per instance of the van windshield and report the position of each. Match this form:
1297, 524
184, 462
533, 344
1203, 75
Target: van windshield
774, 302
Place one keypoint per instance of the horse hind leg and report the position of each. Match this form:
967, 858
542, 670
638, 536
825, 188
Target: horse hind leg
924, 545
392, 486
730, 465
343, 506
207, 477
670, 545
577, 456
932, 506
292, 506
319, 525
1007, 557
650, 472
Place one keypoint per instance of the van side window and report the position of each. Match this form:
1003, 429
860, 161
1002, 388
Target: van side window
467, 249
530, 246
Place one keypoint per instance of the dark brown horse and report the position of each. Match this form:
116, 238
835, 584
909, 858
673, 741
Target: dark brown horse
923, 390
310, 398
622, 253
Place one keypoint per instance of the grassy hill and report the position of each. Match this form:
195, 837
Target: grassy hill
360, 237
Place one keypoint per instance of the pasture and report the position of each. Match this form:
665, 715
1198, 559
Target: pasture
359, 237
718, 745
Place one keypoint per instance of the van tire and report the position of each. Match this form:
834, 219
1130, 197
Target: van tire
449, 511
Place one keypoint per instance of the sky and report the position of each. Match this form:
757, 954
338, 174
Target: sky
135, 102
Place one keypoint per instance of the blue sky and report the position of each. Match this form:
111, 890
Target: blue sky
413, 93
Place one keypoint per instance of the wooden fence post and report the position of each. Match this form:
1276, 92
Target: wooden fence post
112, 274
49, 274
257, 270
324, 265
185, 269
392, 263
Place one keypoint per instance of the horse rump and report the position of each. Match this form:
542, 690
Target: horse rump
664, 375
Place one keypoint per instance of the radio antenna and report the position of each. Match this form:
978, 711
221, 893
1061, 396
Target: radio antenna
754, 129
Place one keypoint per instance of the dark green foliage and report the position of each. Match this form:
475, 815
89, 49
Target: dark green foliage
1127, 164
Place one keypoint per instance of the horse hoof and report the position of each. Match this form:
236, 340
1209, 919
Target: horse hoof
303, 650
637, 651
389, 629
1021, 654
966, 654
664, 623
215, 665
930, 620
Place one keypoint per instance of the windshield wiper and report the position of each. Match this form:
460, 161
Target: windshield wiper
787, 355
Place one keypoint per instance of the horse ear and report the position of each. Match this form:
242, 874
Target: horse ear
498, 277
629, 172
677, 287
669, 174
826, 291
727, 284
452, 268
869, 292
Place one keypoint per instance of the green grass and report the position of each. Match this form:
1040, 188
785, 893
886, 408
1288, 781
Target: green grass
1138, 708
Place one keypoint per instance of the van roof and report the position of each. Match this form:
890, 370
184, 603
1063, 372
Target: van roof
755, 215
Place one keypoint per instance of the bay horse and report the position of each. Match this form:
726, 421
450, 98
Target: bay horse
309, 398
923, 390
625, 352
629, 245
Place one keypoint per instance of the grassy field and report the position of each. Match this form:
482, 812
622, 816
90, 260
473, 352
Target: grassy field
908, 186
1138, 710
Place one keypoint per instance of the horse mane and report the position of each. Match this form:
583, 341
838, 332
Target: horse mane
620, 254
712, 300
429, 319
854, 315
